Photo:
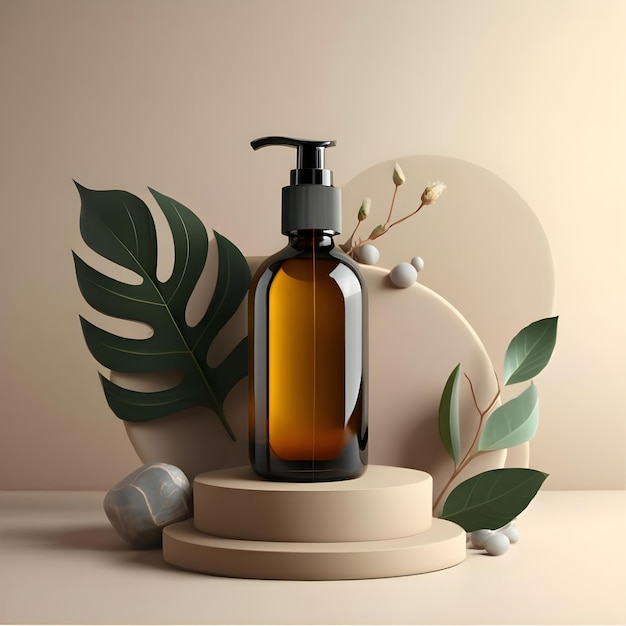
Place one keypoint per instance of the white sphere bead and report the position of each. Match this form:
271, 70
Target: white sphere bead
403, 275
497, 544
478, 537
511, 532
418, 263
368, 254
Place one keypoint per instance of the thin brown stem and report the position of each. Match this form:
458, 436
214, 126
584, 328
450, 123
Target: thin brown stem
457, 470
348, 244
393, 201
471, 385
496, 397
386, 227
406, 217
492, 403
482, 414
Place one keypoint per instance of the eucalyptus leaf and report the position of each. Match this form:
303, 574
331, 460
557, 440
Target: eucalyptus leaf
493, 498
449, 422
530, 350
513, 423
119, 226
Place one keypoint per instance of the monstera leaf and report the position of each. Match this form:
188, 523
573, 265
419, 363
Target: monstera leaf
118, 226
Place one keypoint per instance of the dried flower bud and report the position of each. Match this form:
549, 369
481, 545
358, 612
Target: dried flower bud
364, 211
432, 192
398, 175
378, 231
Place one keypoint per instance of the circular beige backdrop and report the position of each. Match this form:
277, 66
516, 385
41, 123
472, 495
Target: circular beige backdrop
483, 247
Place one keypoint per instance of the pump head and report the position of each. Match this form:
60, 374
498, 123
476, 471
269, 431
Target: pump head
310, 202
309, 159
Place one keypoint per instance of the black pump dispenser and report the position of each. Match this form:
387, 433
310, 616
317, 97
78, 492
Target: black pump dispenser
310, 159
310, 202
307, 337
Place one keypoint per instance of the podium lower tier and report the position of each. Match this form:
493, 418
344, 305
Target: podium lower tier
442, 546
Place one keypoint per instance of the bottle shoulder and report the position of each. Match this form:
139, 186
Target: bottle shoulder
330, 258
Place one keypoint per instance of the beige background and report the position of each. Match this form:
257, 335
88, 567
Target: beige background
128, 94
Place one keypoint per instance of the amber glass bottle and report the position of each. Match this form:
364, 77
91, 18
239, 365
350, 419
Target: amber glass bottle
308, 343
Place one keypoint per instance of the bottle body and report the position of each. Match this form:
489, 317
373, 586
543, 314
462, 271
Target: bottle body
308, 363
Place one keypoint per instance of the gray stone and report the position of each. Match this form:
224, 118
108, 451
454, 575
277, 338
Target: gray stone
146, 501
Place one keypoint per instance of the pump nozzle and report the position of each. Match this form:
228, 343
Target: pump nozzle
310, 159
310, 202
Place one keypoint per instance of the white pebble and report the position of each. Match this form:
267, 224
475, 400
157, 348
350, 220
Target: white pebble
478, 537
418, 263
368, 254
497, 544
511, 531
403, 275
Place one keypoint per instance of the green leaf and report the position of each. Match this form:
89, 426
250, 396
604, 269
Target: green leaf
449, 423
513, 423
530, 350
493, 498
378, 231
118, 226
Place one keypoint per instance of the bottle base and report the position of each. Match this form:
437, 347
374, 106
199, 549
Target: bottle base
310, 475
350, 464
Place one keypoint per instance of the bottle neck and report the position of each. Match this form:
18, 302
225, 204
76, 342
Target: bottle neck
309, 239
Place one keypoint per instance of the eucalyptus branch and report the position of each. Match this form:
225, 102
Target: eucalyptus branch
477, 502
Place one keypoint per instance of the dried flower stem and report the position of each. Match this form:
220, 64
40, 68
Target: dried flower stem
430, 195
383, 230
472, 452
353, 233
406, 217
393, 201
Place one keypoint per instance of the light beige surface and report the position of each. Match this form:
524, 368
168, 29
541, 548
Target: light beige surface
63, 564
124, 95
384, 503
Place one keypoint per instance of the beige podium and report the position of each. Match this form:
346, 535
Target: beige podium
375, 526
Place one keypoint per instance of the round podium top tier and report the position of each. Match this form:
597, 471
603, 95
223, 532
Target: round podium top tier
375, 477
384, 503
